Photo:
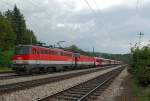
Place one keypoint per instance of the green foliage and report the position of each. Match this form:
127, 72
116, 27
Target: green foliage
74, 48
5, 69
29, 37
141, 65
140, 93
7, 36
23, 35
5, 58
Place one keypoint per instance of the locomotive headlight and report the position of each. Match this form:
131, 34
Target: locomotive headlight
24, 62
20, 62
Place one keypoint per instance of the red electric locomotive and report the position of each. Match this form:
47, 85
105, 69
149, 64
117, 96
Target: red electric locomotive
30, 58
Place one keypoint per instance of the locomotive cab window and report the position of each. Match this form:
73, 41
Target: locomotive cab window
23, 50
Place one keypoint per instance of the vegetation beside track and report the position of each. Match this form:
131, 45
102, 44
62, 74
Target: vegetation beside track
140, 70
132, 91
141, 65
5, 70
140, 93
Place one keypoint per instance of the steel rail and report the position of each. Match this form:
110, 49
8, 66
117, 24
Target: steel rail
101, 84
83, 90
33, 83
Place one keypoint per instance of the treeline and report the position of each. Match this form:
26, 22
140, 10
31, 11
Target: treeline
121, 57
141, 65
13, 31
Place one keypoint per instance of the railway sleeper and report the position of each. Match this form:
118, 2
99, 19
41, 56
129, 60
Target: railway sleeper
73, 95
81, 92
66, 98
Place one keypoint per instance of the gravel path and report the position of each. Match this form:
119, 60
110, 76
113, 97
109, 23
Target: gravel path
28, 78
44, 90
115, 89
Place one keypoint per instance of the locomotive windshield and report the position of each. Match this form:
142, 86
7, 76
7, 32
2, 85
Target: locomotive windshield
23, 50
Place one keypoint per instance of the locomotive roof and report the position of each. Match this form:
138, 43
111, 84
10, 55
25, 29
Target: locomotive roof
46, 48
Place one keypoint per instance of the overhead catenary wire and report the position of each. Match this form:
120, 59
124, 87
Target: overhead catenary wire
137, 10
94, 11
90, 7
96, 4
104, 28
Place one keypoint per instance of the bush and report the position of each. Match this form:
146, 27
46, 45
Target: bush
141, 65
5, 58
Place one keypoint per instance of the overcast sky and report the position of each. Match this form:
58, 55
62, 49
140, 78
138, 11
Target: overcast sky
108, 27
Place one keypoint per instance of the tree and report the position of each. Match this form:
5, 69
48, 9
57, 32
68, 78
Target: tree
23, 35
19, 25
141, 65
29, 37
7, 36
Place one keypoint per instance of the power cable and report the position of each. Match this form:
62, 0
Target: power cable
90, 7
96, 4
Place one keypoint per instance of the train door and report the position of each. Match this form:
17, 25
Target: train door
76, 59
38, 57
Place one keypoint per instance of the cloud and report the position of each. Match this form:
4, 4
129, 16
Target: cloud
111, 29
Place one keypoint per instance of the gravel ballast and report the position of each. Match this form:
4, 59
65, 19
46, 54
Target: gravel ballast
42, 91
28, 78
115, 89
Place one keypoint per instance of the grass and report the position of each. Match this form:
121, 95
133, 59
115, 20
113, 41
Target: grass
140, 93
5, 69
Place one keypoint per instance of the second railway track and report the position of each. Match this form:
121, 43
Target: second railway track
85, 91
33, 83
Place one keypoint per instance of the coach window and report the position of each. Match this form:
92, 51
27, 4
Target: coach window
42, 51
56, 53
46, 51
61, 53
34, 51
38, 51
50, 52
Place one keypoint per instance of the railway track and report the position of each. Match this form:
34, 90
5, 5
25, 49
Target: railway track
8, 76
12, 75
32, 83
85, 91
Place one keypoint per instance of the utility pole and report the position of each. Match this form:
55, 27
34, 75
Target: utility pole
93, 51
140, 36
130, 45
